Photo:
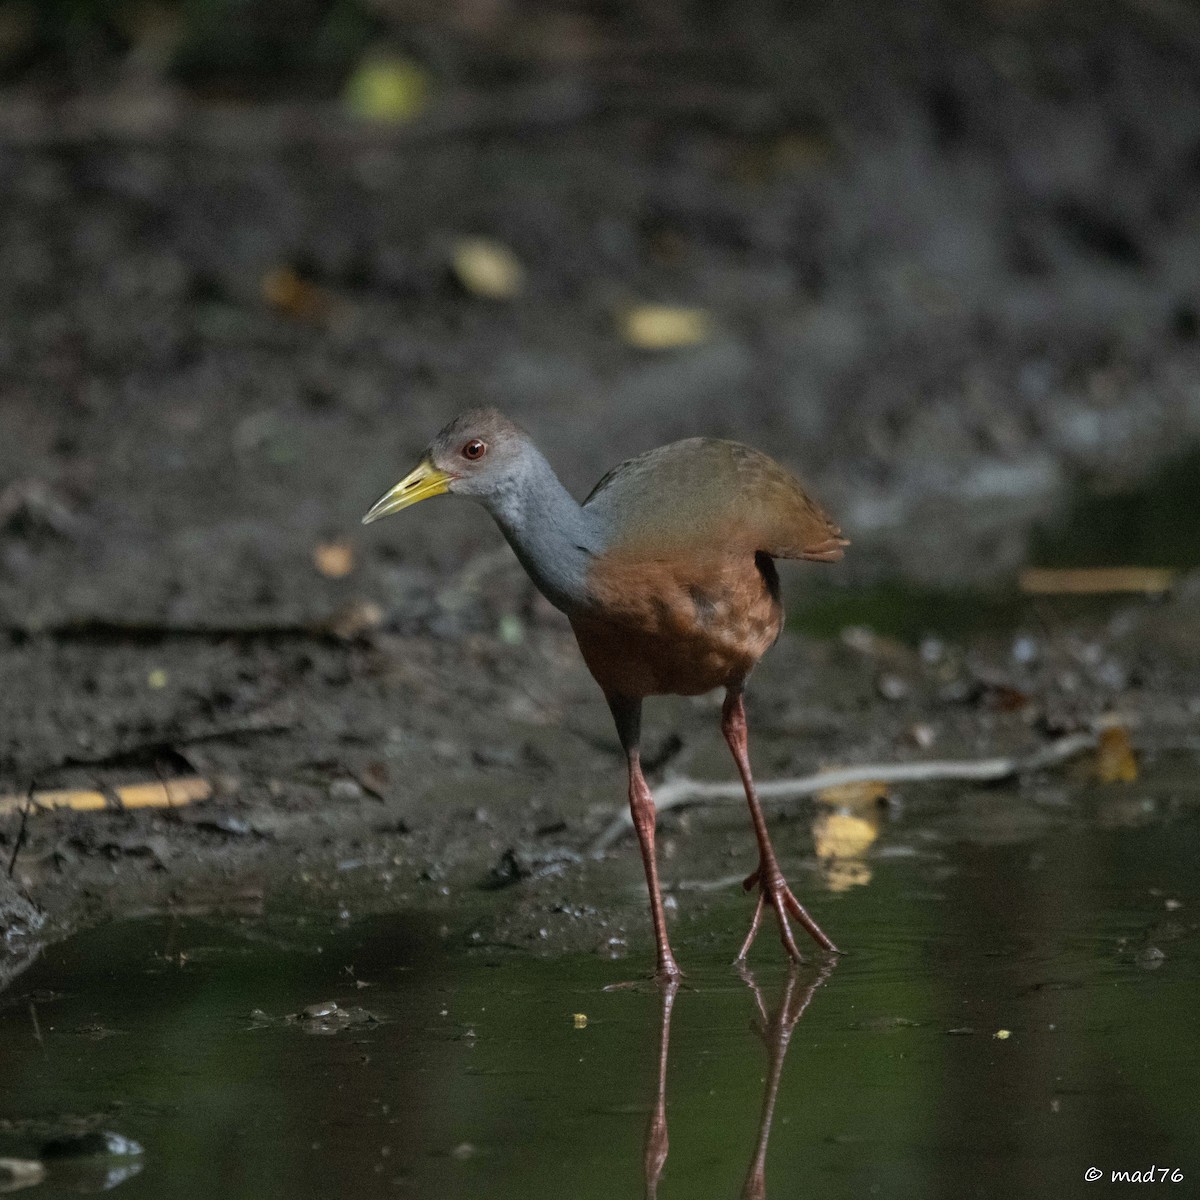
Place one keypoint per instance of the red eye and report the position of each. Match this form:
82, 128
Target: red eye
474, 449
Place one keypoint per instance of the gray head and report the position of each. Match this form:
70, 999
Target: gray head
481, 453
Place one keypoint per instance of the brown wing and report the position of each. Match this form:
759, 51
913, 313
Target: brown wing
704, 494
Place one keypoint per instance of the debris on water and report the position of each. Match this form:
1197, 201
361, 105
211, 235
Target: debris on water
1002, 1035
322, 1008
515, 865
579, 1020
95, 1142
961, 1030
880, 1023
1150, 958
96, 1032
327, 1016
463, 1151
18, 1173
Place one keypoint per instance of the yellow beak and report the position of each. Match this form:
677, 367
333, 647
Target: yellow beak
423, 481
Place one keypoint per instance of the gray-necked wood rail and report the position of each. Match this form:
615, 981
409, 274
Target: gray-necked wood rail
667, 575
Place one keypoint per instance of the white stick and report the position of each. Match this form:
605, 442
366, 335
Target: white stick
683, 790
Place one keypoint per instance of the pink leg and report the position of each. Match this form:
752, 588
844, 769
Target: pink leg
773, 888
627, 714
641, 806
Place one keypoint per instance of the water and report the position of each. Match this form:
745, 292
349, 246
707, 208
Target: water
1068, 919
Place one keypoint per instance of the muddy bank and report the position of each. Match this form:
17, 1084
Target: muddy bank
471, 778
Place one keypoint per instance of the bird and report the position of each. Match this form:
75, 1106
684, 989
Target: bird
666, 573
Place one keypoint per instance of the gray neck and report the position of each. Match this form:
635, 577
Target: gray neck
553, 536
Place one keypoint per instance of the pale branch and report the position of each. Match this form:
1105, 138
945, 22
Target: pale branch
680, 791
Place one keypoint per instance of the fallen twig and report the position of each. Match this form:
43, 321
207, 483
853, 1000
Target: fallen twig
1096, 581
12, 862
166, 793
675, 793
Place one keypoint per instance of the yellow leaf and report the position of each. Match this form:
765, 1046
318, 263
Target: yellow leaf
388, 88
664, 327
842, 835
1115, 761
335, 560
871, 792
488, 269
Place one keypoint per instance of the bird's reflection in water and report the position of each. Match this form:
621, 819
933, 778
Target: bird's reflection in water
775, 1030
656, 1128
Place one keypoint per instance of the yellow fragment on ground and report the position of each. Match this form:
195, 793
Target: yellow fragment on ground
166, 793
488, 269
334, 560
388, 88
664, 327
1115, 760
1095, 581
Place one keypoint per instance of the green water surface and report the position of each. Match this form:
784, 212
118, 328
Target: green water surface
1078, 937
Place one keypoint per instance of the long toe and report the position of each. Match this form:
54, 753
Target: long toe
801, 914
774, 891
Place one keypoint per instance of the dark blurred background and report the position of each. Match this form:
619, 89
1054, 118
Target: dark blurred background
941, 258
